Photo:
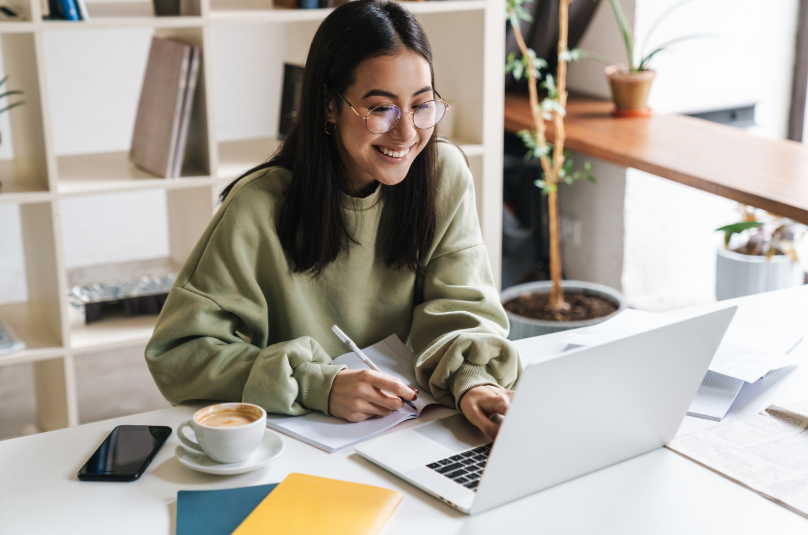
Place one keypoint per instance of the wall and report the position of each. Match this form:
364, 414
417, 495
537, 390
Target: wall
599, 208
669, 240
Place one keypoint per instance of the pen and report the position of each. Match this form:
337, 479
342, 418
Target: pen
350, 343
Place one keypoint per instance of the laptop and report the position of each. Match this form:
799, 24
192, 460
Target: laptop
573, 413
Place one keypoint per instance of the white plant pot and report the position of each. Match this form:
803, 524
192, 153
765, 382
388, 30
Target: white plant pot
522, 327
738, 274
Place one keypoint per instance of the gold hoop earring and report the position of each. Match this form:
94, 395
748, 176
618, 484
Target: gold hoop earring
328, 133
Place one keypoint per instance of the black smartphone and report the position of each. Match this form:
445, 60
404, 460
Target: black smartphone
125, 453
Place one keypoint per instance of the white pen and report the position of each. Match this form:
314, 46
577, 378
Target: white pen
350, 343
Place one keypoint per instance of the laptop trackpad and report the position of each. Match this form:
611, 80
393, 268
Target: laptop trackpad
454, 432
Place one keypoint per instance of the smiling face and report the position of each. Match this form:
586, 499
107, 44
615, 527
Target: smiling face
404, 80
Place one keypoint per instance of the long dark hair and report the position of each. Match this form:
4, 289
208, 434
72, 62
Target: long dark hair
311, 224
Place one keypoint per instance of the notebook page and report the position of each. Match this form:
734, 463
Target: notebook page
715, 396
331, 434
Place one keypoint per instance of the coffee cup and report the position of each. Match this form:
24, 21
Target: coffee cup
226, 432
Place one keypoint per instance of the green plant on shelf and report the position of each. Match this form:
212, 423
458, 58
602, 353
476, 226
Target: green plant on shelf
555, 162
636, 62
9, 94
764, 234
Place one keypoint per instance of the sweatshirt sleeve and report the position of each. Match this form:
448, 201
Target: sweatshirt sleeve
459, 329
211, 339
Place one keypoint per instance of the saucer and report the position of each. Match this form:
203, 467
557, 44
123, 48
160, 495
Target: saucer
271, 446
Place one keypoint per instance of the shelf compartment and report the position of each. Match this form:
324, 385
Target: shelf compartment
36, 320
26, 324
100, 163
236, 157
113, 333
263, 11
16, 27
23, 167
112, 171
128, 14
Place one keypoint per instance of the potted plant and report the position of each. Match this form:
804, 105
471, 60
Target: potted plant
547, 306
758, 255
631, 83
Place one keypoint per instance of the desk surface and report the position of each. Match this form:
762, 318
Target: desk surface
771, 174
659, 492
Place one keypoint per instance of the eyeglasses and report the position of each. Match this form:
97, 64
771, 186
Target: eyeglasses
384, 118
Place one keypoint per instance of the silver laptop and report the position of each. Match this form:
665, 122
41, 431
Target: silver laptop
573, 413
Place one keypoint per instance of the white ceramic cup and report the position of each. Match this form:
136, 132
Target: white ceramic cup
225, 444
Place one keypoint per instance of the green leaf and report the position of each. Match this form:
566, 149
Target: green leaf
735, 228
588, 54
12, 106
625, 31
590, 178
550, 106
644, 63
3, 80
550, 86
10, 93
658, 21
740, 227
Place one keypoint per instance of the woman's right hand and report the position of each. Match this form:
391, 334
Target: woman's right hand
356, 395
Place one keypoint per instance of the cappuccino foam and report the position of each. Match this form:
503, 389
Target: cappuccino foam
228, 419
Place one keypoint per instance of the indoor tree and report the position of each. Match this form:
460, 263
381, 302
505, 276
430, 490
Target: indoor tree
557, 166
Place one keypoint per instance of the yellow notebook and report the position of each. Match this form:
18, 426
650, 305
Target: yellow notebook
303, 504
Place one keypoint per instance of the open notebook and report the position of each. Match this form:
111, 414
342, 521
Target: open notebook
331, 434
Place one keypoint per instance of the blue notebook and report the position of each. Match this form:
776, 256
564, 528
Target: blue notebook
217, 512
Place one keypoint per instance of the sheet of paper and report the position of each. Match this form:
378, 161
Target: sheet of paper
744, 353
765, 452
715, 396
750, 354
331, 434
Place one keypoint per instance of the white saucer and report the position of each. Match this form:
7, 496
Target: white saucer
272, 445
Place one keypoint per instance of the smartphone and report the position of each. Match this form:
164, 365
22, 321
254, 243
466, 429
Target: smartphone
125, 453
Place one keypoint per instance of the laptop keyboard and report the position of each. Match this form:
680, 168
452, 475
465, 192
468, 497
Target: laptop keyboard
464, 468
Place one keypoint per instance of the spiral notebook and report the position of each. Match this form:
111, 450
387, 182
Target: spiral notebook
332, 434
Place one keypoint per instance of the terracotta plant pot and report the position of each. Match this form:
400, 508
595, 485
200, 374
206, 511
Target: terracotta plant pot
630, 89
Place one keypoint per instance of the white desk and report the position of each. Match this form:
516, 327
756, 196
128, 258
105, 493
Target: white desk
659, 492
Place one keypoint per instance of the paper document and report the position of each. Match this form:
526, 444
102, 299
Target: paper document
766, 452
715, 396
331, 434
745, 355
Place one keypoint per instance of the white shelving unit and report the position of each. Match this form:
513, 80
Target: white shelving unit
468, 44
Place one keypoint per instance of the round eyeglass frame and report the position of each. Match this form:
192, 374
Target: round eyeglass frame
401, 112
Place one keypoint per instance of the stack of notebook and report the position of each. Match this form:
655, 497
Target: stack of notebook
299, 504
164, 112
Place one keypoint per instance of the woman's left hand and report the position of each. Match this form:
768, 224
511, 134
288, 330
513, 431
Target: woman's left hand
481, 403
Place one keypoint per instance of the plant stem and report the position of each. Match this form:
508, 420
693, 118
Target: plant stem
557, 292
551, 171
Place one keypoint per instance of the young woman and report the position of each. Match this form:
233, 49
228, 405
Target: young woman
362, 219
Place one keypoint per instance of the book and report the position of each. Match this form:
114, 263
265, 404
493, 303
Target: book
303, 504
81, 5
44, 5
290, 97
64, 9
159, 112
331, 434
217, 512
187, 109
291, 4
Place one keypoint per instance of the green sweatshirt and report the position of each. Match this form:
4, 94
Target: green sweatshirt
239, 325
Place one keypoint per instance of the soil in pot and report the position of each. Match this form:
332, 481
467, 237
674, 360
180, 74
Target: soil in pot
583, 306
